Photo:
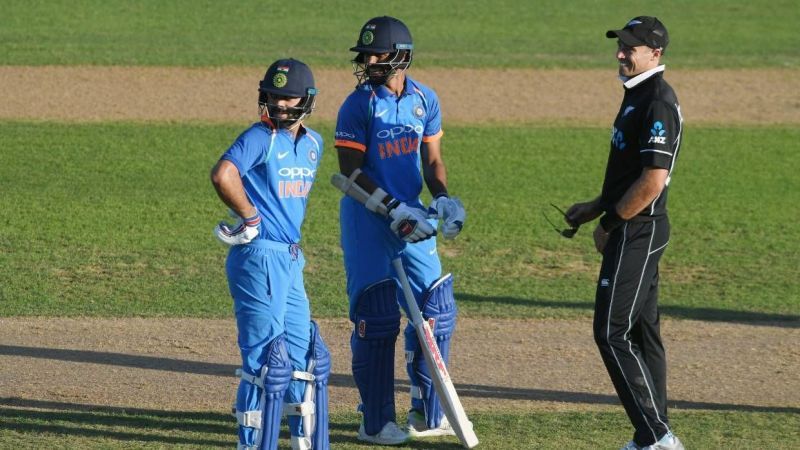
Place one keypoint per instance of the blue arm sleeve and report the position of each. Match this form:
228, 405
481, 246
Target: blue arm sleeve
244, 153
351, 125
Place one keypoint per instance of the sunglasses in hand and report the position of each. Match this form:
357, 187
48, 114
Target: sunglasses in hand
567, 232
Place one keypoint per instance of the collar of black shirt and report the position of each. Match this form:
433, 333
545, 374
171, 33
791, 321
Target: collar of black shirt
631, 83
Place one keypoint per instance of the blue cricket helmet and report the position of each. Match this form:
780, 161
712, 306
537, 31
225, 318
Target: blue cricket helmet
287, 78
383, 35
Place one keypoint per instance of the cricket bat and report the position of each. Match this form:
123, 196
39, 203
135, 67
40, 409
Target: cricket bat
441, 378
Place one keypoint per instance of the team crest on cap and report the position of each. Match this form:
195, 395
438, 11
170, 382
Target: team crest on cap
367, 37
312, 155
279, 80
418, 111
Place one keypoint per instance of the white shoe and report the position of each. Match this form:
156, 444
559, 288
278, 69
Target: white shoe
391, 434
631, 446
417, 427
668, 442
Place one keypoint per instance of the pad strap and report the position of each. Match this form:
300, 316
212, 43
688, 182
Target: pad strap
299, 409
416, 392
250, 419
252, 379
303, 376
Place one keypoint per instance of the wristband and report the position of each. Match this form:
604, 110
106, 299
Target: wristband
441, 194
393, 203
253, 221
611, 220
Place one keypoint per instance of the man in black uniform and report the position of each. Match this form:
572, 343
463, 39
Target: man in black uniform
634, 231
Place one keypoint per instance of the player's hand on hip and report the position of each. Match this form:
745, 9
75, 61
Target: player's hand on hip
410, 224
600, 238
451, 212
242, 232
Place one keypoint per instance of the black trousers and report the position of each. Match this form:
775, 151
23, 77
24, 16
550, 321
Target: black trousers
626, 324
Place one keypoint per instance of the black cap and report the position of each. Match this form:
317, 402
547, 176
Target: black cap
288, 77
383, 35
642, 30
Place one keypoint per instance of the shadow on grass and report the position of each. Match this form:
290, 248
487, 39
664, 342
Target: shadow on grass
338, 380
682, 312
165, 427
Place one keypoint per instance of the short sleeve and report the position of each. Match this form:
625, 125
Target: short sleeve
660, 136
351, 124
244, 153
433, 124
320, 146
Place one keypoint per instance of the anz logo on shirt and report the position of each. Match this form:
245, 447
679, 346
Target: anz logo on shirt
398, 140
293, 188
658, 134
617, 138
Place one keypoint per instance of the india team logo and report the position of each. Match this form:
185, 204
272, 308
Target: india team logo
312, 155
279, 80
418, 111
367, 37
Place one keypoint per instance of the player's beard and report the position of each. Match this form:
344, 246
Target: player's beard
379, 75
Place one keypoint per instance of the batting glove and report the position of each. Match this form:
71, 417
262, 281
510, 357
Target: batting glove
410, 224
242, 232
451, 212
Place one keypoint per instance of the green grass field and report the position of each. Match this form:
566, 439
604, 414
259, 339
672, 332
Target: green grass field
471, 33
115, 219
110, 428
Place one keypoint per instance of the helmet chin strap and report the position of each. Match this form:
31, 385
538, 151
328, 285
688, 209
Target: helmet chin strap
290, 124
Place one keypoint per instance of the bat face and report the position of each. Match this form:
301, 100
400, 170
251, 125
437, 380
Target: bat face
436, 355
441, 378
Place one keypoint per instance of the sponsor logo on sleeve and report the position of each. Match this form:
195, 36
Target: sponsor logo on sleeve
344, 135
658, 134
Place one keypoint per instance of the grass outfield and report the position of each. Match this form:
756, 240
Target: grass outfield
116, 428
115, 220
452, 33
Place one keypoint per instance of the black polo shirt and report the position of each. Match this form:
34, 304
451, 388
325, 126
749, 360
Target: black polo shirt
647, 133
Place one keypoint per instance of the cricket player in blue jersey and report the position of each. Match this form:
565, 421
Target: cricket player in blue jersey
265, 178
388, 141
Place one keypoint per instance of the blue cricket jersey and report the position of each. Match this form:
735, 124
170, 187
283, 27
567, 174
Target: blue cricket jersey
277, 171
389, 130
